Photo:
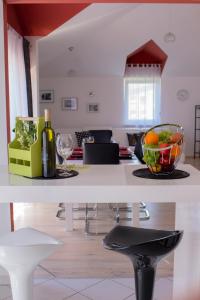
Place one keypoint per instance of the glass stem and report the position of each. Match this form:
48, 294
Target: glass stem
64, 162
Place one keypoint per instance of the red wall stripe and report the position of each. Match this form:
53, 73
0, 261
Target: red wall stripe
100, 1
13, 19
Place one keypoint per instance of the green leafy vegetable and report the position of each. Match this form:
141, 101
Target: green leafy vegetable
164, 136
25, 133
150, 156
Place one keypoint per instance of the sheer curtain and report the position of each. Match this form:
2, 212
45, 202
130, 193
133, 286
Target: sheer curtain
142, 94
17, 78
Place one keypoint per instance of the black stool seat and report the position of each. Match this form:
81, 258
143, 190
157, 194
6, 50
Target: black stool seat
145, 248
148, 242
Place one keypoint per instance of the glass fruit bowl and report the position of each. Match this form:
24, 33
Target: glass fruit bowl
162, 148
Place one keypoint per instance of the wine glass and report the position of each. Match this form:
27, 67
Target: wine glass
64, 145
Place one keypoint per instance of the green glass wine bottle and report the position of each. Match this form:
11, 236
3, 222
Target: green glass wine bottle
48, 147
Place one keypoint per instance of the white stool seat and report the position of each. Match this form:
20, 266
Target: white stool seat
20, 253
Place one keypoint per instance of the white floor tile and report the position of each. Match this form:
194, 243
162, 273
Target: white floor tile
52, 290
78, 297
4, 280
41, 275
5, 292
40, 272
131, 297
79, 284
107, 289
128, 282
92, 289
39, 280
163, 289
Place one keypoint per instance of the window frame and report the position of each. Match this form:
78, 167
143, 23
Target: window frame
157, 113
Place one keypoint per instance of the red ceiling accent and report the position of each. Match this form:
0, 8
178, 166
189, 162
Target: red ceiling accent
13, 19
40, 19
100, 1
149, 53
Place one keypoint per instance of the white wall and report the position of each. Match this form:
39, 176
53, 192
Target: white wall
109, 94
181, 112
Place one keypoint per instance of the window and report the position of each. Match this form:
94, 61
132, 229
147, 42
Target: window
142, 96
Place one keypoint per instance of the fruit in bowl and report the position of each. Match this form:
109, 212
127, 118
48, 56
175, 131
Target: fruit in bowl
162, 148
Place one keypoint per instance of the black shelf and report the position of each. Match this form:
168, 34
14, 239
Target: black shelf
197, 132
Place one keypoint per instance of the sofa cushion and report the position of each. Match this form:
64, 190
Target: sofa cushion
131, 139
138, 147
80, 135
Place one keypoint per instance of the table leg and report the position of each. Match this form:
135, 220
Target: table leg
69, 216
186, 257
5, 225
136, 214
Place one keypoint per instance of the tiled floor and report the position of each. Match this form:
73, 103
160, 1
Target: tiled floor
53, 288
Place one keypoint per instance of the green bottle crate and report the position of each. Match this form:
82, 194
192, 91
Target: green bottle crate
27, 162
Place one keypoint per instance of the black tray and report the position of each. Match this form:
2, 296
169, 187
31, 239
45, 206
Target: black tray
60, 174
145, 173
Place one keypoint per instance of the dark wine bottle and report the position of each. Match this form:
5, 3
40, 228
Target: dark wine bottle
48, 148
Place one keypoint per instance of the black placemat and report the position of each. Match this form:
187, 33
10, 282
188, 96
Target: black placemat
145, 173
60, 174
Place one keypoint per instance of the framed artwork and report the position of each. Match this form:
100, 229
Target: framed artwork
70, 103
46, 96
93, 107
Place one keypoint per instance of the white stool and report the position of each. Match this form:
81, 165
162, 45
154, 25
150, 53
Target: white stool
20, 252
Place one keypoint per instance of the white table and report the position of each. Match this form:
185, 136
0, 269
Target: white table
101, 184
115, 183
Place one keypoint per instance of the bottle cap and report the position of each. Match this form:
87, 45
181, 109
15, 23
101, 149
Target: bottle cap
47, 115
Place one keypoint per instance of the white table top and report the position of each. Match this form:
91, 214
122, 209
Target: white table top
100, 183
115, 183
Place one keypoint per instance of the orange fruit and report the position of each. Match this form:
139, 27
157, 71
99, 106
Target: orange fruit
176, 137
151, 138
175, 151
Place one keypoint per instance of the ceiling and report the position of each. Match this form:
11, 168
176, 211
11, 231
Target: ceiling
99, 1
149, 53
40, 19
103, 35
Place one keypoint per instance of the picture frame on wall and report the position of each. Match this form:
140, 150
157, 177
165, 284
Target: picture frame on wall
46, 96
93, 107
70, 103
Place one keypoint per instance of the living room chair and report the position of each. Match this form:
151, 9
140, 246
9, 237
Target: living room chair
101, 153
101, 136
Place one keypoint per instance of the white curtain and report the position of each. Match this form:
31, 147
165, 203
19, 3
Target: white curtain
17, 78
142, 94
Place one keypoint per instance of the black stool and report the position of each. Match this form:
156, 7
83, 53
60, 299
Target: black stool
145, 247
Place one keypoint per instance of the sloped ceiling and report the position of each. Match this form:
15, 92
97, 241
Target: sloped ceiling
149, 53
40, 19
103, 35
